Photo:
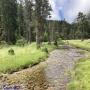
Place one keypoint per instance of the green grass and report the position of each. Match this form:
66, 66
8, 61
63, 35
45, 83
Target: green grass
24, 57
81, 74
81, 44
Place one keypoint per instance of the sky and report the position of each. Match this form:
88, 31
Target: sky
68, 9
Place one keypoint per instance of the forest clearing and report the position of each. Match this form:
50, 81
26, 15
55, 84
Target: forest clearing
55, 72
44, 45
52, 74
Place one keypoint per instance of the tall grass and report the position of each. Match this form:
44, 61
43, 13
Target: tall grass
81, 74
24, 57
80, 44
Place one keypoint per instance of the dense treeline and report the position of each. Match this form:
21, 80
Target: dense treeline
23, 19
27, 20
80, 27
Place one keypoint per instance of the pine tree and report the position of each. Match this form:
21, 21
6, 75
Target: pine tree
42, 10
0, 15
2, 32
64, 29
20, 20
82, 25
9, 12
28, 19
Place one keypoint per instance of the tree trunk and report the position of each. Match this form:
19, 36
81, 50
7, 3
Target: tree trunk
49, 35
37, 38
29, 34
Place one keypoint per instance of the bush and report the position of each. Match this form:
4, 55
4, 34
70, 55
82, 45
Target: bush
11, 52
55, 43
60, 41
3, 43
45, 50
21, 42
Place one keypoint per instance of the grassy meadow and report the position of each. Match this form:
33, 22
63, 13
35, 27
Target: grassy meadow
81, 74
80, 44
24, 57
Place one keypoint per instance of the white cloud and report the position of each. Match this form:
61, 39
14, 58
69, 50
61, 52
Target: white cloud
56, 6
69, 7
54, 13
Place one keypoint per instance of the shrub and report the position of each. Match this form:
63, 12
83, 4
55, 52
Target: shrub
60, 41
45, 50
21, 42
3, 43
11, 52
55, 43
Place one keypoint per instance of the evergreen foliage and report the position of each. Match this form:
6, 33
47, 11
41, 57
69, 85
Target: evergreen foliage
30, 20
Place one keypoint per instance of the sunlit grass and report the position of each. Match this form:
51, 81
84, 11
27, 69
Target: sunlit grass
24, 57
81, 44
81, 74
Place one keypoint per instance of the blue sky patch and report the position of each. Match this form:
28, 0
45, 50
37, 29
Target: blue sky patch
68, 9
